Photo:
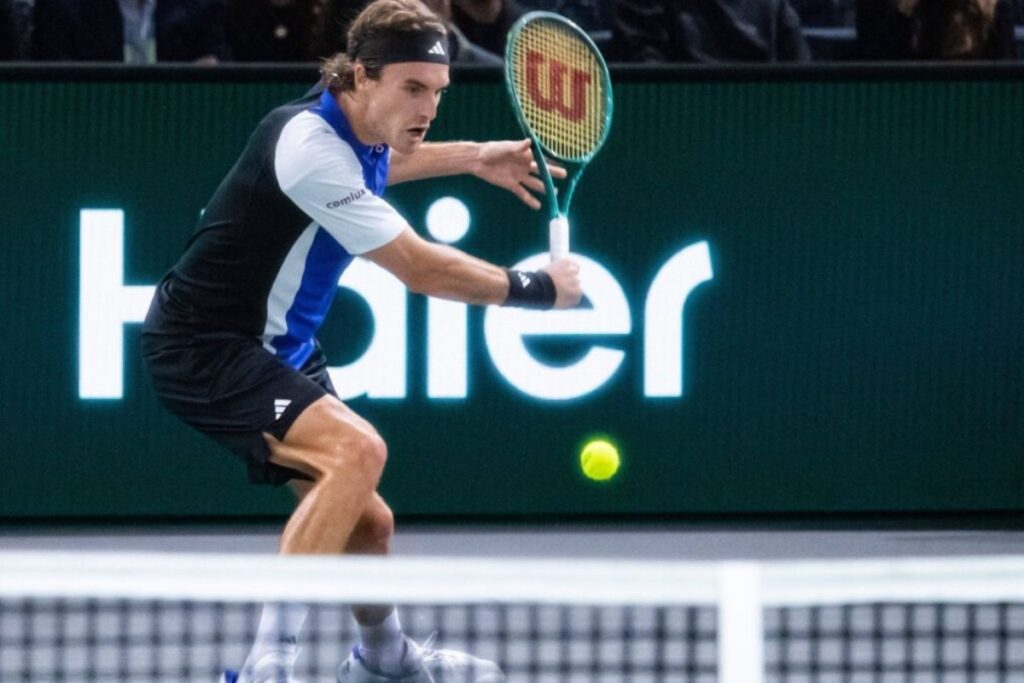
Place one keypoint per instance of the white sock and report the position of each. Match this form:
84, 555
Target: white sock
381, 647
278, 631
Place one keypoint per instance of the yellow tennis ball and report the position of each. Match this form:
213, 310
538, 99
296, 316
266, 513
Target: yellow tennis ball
599, 460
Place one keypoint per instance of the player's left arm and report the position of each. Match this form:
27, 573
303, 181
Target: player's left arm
508, 164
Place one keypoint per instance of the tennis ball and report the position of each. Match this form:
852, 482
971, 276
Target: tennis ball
599, 460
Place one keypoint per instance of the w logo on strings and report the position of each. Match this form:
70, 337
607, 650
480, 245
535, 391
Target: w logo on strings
554, 100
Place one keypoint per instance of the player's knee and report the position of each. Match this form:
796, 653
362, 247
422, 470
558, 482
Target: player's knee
360, 453
372, 452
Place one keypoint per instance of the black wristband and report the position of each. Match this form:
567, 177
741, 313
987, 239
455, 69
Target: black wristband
530, 289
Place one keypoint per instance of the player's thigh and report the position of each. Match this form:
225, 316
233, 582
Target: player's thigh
233, 390
329, 437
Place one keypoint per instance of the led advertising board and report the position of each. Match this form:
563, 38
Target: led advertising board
804, 294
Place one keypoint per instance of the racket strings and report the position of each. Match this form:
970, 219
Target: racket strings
560, 85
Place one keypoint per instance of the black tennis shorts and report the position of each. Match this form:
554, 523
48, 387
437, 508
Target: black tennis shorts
230, 388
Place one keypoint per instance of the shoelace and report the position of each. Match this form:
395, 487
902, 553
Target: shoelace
427, 651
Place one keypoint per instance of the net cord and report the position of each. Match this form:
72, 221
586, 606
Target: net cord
427, 580
243, 578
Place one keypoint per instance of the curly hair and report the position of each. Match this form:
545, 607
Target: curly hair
337, 73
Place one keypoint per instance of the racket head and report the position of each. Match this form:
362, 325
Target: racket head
559, 86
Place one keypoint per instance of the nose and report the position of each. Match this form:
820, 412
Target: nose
431, 112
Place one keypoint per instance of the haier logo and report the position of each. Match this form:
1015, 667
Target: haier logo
106, 305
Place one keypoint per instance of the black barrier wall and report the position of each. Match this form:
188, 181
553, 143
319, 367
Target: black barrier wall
805, 296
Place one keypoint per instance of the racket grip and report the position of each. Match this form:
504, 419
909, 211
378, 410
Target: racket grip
559, 237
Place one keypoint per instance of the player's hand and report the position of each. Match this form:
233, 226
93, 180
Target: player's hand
510, 164
565, 273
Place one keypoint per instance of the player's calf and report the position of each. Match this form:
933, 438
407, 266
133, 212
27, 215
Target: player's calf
373, 532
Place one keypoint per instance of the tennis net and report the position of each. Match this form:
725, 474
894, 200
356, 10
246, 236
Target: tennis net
103, 617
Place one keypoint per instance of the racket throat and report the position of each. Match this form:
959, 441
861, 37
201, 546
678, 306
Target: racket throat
559, 237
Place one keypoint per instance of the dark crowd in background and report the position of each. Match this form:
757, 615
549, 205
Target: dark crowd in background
638, 31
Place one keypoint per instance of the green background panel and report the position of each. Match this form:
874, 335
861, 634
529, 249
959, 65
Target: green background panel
859, 348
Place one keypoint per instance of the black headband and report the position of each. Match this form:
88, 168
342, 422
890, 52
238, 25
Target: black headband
391, 47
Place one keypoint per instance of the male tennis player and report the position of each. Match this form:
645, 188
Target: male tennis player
229, 338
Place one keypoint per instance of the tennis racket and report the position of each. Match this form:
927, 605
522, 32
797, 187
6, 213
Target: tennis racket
562, 95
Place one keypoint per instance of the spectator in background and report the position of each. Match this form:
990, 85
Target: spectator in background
8, 32
460, 48
825, 13
130, 31
23, 26
311, 30
287, 30
485, 23
707, 31
935, 29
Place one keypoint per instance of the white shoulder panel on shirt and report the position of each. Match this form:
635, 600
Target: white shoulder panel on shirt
321, 173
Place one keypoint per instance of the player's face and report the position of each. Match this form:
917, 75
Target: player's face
403, 101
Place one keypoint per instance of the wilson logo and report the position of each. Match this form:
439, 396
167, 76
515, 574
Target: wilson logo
555, 99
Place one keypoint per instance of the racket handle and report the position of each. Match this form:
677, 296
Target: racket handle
559, 237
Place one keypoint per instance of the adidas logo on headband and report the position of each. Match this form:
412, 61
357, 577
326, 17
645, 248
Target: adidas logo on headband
390, 47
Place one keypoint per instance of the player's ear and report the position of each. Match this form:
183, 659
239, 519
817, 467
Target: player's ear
359, 75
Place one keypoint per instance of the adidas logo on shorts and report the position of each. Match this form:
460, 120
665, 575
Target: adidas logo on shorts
280, 404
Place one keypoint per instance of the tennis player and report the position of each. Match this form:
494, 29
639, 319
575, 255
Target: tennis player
229, 338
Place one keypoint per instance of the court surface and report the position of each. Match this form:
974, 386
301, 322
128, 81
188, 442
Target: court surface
698, 541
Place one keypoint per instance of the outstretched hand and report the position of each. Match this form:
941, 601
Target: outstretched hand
510, 164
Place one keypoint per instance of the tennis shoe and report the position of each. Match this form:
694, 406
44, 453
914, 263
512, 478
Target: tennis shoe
425, 664
273, 667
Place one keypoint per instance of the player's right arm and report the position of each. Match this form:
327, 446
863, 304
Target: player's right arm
445, 272
322, 175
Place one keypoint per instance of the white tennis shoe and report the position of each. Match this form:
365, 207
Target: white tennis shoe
273, 667
426, 665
